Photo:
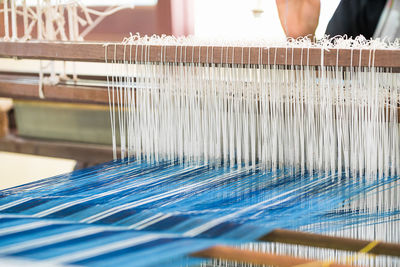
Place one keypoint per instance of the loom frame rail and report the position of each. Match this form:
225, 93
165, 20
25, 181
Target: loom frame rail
95, 52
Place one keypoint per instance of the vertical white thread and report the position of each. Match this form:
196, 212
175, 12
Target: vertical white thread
304, 117
6, 25
39, 20
25, 19
14, 21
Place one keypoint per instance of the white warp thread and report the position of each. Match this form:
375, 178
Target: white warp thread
307, 118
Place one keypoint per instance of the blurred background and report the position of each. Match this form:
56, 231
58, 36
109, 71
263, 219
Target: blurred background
46, 139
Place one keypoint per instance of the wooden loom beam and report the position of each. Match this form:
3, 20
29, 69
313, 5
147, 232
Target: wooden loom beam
14, 88
260, 258
81, 152
95, 52
59, 92
296, 238
332, 242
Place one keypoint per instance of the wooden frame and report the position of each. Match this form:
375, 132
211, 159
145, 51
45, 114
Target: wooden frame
95, 52
91, 154
28, 88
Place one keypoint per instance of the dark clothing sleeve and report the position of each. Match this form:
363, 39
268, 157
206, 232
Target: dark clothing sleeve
355, 17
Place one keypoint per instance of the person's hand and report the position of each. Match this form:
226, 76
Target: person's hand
299, 17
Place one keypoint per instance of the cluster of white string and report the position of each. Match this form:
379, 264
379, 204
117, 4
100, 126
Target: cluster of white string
324, 118
303, 42
52, 19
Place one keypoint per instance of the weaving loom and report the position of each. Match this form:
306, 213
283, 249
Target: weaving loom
218, 147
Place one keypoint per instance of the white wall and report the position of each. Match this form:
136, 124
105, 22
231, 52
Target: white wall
235, 19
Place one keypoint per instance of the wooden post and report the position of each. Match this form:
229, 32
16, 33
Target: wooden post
5, 106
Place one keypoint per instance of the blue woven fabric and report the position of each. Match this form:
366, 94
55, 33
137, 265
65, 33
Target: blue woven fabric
123, 212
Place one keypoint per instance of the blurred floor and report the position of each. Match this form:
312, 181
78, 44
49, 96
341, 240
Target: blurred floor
18, 169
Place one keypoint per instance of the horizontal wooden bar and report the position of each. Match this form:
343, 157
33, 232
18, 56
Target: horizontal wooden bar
259, 258
25, 86
20, 86
96, 52
89, 153
55, 93
332, 242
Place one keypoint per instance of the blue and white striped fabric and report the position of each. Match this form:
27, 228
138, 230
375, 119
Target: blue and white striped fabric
151, 214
